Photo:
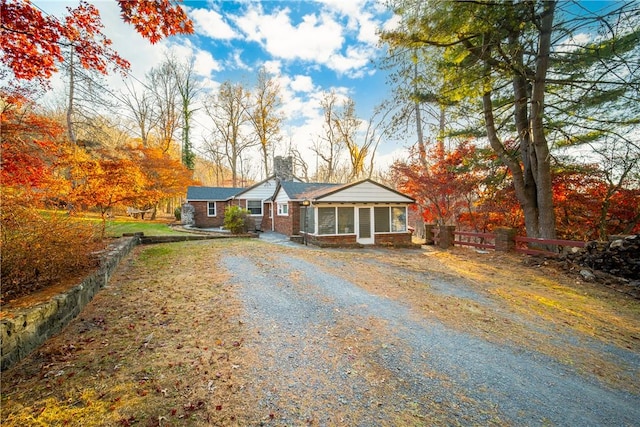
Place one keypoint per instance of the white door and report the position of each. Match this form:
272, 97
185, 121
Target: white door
365, 226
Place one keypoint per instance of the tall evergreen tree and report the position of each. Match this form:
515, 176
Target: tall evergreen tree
535, 85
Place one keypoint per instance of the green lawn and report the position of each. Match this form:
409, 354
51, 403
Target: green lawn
116, 227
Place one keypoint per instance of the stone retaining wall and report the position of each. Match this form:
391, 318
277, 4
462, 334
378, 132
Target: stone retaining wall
28, 328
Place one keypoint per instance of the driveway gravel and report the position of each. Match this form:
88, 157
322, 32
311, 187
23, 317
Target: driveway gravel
331, 353
251, 332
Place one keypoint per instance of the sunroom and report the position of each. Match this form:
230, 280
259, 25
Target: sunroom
363, 213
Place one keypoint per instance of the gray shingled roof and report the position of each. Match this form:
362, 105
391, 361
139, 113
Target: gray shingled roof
295, 189
211, 193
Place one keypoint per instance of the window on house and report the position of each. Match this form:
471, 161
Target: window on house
326, 220
283, 209
346, 222
381, 218
307, 224
211, 208
254, 207
399, 219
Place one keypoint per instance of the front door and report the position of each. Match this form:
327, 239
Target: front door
365, 232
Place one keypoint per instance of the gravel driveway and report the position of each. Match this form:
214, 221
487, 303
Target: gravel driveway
331, 353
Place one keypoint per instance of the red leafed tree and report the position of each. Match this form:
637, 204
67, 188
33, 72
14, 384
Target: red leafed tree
28, 143
31, 42
588, 208
155, 19
446, 188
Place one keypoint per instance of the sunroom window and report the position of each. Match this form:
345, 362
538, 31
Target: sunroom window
346, 222
307, 222
381, 219
398, 219
326, 220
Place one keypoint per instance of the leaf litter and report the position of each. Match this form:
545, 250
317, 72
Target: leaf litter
172, 341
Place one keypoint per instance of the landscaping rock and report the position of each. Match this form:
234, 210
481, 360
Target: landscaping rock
619, 258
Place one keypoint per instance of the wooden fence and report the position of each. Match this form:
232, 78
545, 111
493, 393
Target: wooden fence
544, 247
476, 240
504, 239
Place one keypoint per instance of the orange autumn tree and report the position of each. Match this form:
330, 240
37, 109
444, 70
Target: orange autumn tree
32, 42
35, 249
102, 181
166, 176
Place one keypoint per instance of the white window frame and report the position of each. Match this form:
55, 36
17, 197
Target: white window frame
283, 209
391, 224
261, 206
404, 223
215, 209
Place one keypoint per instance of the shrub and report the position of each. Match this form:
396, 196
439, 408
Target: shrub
178, 213
236, 219
39, 248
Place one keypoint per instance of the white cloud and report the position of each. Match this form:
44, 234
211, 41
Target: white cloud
204, 64
384, 160
273, 67
352, 9
211, 24
313, 39
574, 42
296, 103
236, 61
353, 63
392, 23
302, 84
368, 33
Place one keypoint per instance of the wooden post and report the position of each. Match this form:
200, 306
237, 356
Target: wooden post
505, 239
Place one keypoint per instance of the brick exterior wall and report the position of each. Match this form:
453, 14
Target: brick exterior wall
348, 240
202, 220
288, 225
398, 240
394, 239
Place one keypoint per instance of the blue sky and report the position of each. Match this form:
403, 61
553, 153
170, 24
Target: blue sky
309, 46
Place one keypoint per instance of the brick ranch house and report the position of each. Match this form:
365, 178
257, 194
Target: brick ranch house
359, 213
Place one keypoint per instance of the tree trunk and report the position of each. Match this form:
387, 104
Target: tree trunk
265, 158
526, 197
422, 155
542, 173
72, 134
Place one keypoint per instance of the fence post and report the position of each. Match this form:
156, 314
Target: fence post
505, 239
428, 234
446, 236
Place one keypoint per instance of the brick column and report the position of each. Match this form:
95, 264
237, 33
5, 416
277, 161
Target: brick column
446, 236
505, 239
